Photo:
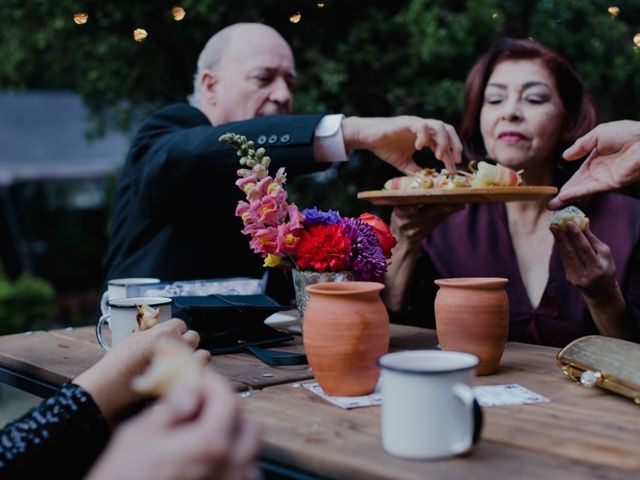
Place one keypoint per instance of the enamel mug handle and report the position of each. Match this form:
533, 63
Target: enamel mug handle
104, 308
465, 394
103, 319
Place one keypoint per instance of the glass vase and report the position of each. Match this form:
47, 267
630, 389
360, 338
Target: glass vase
304, 278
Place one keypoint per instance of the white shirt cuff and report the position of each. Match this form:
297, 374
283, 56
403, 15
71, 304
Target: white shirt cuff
328, 144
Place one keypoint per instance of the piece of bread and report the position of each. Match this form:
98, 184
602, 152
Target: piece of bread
173, 363
569, 214
146, 317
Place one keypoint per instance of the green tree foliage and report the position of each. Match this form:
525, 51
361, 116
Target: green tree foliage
25, 304
358, 57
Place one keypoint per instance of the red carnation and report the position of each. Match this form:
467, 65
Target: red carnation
323, 247
385, 237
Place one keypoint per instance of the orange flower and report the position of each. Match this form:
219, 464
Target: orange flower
385, 237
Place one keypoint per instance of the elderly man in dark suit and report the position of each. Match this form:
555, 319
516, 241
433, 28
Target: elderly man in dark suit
175, 201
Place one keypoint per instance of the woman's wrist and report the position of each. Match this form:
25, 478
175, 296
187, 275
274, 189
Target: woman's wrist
609, 312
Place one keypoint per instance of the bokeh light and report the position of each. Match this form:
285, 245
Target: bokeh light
80, 18
613, 11
140, 34
320, 4
178, 13
295, 18
636, 39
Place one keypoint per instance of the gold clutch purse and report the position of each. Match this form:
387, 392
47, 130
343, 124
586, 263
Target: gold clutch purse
605, 362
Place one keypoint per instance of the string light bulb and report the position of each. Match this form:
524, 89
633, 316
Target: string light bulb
320, 4
80, 18
495, 15
636, 39
295, 18
178, 13
140, 34
613, 11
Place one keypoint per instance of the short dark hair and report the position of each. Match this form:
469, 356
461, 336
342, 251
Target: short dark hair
578, 104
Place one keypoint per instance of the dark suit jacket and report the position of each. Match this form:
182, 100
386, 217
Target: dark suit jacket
174, 215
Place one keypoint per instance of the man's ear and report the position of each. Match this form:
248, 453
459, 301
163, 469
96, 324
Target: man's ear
208, 86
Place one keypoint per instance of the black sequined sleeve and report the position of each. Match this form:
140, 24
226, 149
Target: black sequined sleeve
60, 437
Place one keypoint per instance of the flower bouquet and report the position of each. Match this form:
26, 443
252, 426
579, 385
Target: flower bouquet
309, 241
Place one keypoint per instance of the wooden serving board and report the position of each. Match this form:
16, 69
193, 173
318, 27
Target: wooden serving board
457, 195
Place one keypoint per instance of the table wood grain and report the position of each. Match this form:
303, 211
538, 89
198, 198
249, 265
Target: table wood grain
581, 434
58, 356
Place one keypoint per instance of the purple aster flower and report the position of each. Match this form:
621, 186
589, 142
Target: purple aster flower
367, 258
313, 216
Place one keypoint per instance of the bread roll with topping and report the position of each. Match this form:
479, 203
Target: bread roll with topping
569, 214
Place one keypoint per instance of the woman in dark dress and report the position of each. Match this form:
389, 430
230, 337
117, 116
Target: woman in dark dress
524, 105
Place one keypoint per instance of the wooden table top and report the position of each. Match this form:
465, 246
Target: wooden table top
581, 434
58, 356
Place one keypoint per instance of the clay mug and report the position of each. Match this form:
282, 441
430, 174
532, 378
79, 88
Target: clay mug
346, 330
472, 315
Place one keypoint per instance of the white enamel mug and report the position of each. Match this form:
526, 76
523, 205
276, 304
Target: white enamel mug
123, 314
428, 406
117, 288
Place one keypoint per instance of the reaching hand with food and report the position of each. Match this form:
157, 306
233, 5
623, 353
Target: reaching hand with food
192, 433
589, 265
109, 380
173, 363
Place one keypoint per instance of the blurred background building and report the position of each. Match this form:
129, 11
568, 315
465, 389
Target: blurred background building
55, 184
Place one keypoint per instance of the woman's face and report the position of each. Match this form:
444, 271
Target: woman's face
522, 115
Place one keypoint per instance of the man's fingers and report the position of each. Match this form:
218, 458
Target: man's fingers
422, 137
455, 144
410, 167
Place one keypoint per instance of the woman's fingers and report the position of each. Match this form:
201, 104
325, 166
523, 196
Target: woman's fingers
570, 259
581, 245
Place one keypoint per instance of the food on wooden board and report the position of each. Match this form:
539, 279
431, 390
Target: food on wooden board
486, 175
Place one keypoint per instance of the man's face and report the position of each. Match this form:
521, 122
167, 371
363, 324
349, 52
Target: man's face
255, 77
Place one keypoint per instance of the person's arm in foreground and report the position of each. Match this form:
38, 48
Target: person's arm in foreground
613, 162
65, 433
190, 434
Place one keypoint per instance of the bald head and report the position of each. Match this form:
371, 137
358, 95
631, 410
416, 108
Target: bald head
230, 44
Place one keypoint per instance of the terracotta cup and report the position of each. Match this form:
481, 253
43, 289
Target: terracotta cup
472, 315
346, 330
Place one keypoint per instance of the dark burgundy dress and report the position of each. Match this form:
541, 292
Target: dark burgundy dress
476, 243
